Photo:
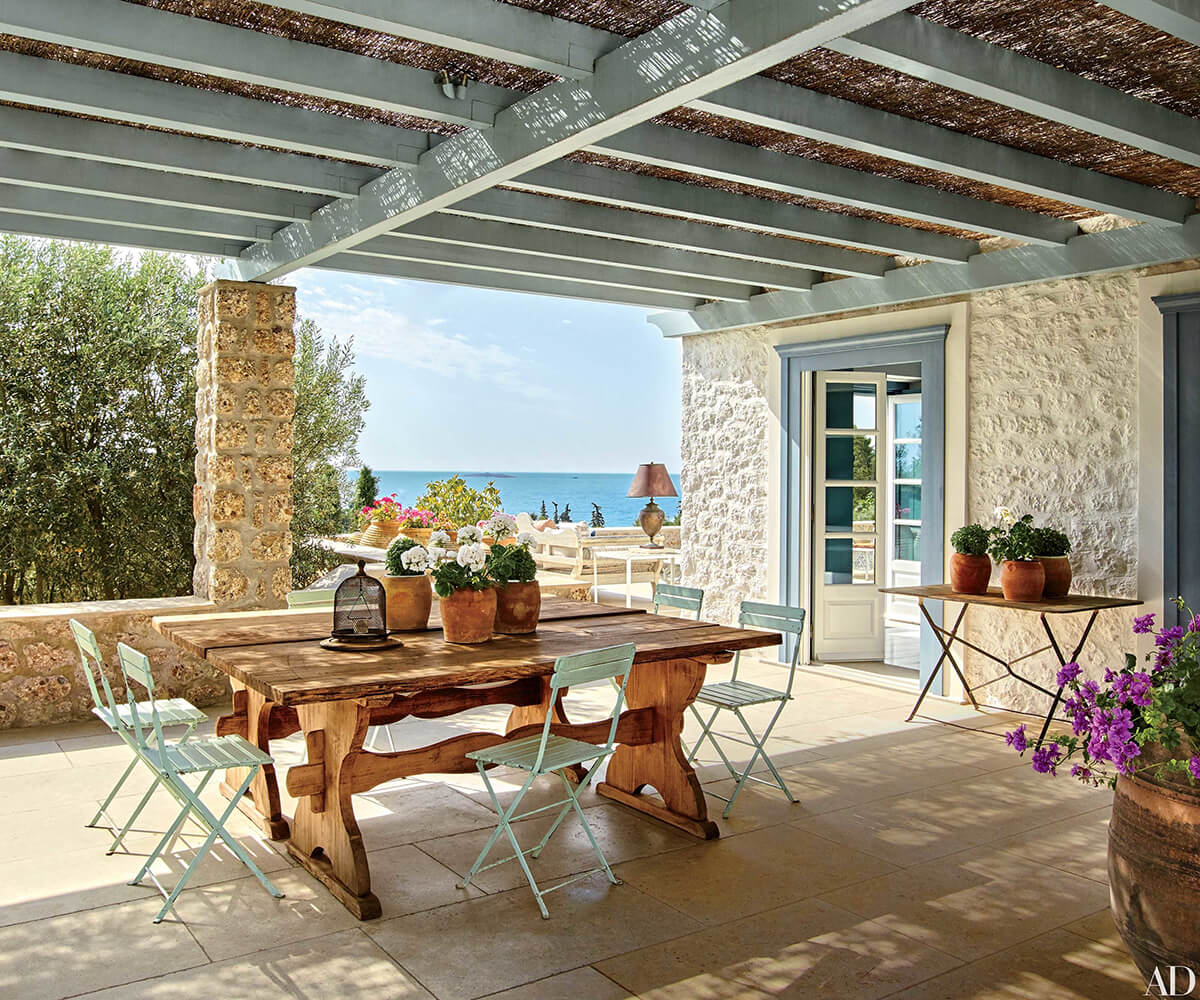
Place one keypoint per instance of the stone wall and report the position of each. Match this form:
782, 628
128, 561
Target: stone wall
42, 681
244, 406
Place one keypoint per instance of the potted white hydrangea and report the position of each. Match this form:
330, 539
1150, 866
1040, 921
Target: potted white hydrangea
466, 592
406, 583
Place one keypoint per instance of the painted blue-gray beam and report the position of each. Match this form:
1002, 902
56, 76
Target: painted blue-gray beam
1096, 253
115, 235
690, 55
628, 190
518, 239
926, 50
701, 154
1180, 18
806, 113
82, 90
129, 31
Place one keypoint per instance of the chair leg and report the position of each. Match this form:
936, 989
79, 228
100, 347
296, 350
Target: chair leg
120, 837
708, 734
168, 836
501, 813
759, 751
587, 829
113, 794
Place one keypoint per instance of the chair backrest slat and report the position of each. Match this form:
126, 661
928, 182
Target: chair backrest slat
580, 668
135, 666
93, 665
673, 595
777, 618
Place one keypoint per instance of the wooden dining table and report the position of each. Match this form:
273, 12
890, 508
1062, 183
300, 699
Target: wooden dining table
284, 682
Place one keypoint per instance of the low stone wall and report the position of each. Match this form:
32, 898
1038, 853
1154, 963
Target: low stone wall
42, 681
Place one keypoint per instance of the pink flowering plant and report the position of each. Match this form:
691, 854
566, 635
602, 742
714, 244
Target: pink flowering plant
390, 509
1139, 722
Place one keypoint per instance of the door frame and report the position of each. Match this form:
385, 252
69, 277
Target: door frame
926, 345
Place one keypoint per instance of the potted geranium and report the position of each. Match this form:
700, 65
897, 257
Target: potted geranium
1021, 575
466, 591
1051, 547
406, 583
518, 595
417, 524
1139, 732
382, 521
970, 567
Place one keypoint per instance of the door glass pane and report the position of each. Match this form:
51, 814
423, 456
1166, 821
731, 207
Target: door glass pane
849, 406
908, 542
908, 420
908, 503
908, 461
839, 560
850, 457
864, 560
849, 508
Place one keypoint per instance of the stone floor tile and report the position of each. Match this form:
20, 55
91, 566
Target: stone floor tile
67, 882
69, 786
805, 949
31, 758
507, 781
973, 903
722, 880
407, 811
578, 984
502, 941
1078, 845
1098, 926
407, 880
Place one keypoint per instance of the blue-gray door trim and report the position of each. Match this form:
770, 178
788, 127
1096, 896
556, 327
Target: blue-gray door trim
926, 345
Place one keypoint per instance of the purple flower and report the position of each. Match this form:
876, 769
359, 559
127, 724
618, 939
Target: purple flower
1194, 624
1016, 739
1143, 624
1069, 673
1081, 772
1169, 636
1194, 768
1045, 758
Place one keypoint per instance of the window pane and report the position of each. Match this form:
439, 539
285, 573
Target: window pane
850, 457
908, 503
908, 461
839, 560
849, 508
908, 542
849, 406
908, 420
864, 560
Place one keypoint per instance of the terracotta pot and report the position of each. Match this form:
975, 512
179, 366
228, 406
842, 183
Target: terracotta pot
1154, 872
409, 601
518, 606
373, 536
1058, 575
420, 535
970, 574
1022, 581
389, 530
468, 616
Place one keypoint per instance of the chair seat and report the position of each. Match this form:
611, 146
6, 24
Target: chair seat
560, 752
735, 694
214, 754
172, 712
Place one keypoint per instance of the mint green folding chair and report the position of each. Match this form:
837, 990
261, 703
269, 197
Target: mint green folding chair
173, 712
540, 755
672, 595
734, 695
174, 762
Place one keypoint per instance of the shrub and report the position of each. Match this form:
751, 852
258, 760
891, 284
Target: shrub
1050, 542
971, 540
455, 503
1014, 542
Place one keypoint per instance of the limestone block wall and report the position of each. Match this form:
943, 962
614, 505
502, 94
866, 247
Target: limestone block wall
42, 681
244, 406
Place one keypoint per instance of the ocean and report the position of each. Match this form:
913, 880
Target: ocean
525, 491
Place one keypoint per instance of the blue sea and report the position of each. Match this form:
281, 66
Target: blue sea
525, 491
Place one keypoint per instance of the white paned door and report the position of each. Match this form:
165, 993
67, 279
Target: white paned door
903, 543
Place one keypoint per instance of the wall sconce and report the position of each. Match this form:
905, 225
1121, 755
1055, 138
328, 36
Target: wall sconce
454, 87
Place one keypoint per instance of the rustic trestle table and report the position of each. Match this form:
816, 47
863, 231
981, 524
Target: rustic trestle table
284, 682
994, 598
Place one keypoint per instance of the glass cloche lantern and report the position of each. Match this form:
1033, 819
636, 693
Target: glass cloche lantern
360, 609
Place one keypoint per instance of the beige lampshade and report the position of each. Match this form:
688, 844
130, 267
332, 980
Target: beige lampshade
652, 480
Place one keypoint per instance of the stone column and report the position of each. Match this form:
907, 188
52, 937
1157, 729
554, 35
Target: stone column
242, 499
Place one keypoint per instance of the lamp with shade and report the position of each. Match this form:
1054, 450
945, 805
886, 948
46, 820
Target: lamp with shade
651, 480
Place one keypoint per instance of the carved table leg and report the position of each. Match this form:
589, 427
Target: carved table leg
668, 688
259, 721
325, 838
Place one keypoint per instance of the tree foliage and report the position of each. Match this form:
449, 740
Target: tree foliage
366, 489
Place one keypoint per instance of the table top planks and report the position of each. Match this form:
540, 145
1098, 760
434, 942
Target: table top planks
278, 653
1071, 604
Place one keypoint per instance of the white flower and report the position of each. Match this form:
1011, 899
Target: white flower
439, 539
415, 560
472, 556
1005, 516
436, 554
526, 539
500, 525
469, 534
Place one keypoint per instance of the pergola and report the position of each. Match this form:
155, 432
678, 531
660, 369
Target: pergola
731, 163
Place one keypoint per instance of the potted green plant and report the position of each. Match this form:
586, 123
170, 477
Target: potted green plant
1021, 576
466, 591
1051, 547
970, 567
1139, 732
456, 504
406, 584
518, 594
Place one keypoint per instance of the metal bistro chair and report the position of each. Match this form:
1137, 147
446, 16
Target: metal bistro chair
174, 762
319, 600
734, 695
672, 595
548, 752
173, 712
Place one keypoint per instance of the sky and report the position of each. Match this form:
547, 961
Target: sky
467, 378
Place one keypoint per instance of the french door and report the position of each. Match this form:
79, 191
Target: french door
903, 544
849, 442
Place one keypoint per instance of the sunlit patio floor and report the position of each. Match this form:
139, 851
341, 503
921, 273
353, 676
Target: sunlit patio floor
922, 861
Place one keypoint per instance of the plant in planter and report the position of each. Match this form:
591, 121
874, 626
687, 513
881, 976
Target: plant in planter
970, 567
381, 521
409, 594
456, 504
1021, 575
1140, 732
1051, 547
518, 595
499, 529
466, 590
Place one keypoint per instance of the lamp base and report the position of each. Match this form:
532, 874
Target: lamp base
650, 520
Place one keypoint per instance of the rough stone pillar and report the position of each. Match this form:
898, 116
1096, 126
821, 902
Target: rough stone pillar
242, 499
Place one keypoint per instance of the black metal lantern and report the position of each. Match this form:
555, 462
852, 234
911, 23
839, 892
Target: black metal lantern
360, 609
